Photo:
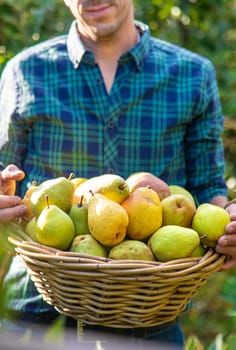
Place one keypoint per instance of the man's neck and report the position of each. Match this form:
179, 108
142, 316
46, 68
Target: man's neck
110, 48
107, 50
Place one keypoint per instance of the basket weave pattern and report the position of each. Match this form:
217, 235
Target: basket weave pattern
122, 293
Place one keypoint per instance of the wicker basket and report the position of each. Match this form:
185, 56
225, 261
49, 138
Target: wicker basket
122, 293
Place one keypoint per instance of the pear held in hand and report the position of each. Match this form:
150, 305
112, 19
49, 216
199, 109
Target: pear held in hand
107, 220
29, 214
210, 221
54, 227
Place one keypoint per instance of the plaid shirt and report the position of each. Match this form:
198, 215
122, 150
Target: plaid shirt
162, 115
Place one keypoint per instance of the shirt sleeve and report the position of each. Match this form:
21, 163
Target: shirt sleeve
204, 143
13, 136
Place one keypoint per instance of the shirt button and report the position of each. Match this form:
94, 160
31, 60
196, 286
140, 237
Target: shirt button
99, 80
110, 125
110, 170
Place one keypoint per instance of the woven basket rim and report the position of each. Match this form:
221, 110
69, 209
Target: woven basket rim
114, 293
39, 251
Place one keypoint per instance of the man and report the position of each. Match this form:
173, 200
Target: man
109, 98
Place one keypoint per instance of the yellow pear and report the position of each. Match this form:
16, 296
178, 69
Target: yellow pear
77, 181
173, 242
210, 221
144, 210
177, 210
131, 249
107, 220
146, 179
29, 214
112, 186
176, 189
60, 192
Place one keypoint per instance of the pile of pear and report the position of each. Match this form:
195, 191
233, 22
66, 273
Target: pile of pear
137, 218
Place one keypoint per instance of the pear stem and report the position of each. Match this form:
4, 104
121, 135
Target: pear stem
47, 201
81, 201
71, 176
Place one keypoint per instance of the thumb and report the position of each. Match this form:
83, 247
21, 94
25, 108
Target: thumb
12, 172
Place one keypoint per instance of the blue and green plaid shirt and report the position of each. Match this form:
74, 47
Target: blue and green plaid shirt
162, 115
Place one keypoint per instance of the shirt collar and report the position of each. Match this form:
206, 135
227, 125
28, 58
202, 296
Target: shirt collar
77, 51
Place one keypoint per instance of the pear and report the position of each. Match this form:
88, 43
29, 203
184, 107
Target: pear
29, 214
77, 181
131, 249
79, 216
144, 210
87, 244
176, 189
146, 179
210, 221
60, 192
30, 229
54, 227
107, 220
112, 186
199, 251
177, 210
173, 242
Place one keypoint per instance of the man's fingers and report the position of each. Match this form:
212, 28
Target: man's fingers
229, 265
11, 208
10, 214
9, 201
12, 172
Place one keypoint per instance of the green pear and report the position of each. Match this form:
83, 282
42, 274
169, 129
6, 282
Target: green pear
131, 250
30, 229
79, 216
60, 192
87, 244
175, 189
210, 221
173, 242
199, 251
55, 228
107, 220
112, 186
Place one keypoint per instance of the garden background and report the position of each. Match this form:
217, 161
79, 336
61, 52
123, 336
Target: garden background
207, 27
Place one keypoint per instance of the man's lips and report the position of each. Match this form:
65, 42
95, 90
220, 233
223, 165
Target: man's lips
97, 10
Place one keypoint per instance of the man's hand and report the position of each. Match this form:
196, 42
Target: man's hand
227, 243
11, 206
8, 178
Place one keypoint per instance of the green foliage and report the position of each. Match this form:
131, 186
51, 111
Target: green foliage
212, 318
204, 26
